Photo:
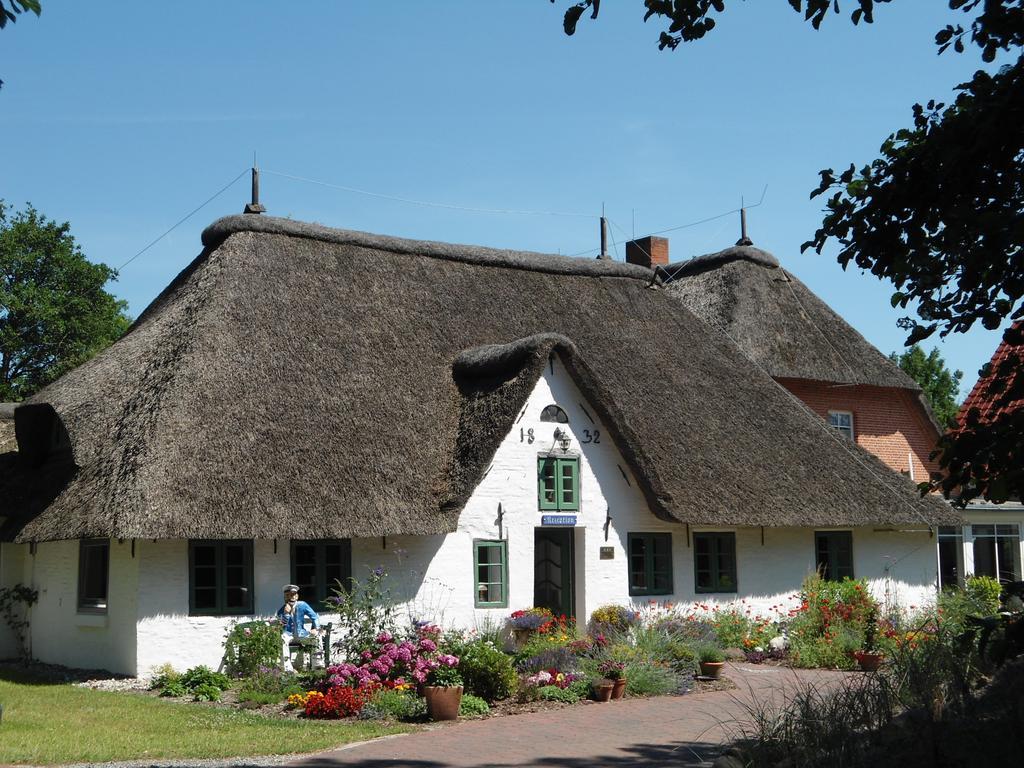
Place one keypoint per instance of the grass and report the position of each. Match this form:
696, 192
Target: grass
46, 724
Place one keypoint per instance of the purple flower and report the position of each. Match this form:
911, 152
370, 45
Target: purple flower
378, 571
426, 644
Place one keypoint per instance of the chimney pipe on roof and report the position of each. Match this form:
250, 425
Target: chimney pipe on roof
744, 240
648, 251
254, 206
604, 238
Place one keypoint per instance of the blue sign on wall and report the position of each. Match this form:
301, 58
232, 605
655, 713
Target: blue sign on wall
558, 519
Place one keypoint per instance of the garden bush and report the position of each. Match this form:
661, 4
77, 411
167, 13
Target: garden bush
486, 671
568, 695
269, 685
366, 610
394, 704
250, 646
647, 679
340, 701
612, 619
206, 692
204, 676
201, 682
472, 706
829, 624
978, 597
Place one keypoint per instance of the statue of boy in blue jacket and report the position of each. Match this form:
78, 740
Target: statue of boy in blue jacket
293, 615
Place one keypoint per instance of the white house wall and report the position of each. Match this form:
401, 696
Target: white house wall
166, 632
62, 635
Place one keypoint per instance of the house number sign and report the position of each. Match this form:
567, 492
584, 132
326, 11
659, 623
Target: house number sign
589, 436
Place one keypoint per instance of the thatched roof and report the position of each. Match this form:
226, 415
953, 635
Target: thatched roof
777, 321
299, 381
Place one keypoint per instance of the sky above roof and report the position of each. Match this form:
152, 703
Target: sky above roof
123, 117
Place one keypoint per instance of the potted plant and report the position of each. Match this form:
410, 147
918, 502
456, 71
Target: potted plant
525, 622
711, 660
603, 689
615, 671
870, 656
443, 689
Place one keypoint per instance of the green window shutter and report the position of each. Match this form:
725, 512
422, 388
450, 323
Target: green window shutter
649, 558
568, 485
547, 478
490, 574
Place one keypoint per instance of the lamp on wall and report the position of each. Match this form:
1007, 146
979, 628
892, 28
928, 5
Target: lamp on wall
563, 438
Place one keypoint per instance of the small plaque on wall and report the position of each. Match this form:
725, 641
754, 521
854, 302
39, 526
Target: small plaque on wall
607, 553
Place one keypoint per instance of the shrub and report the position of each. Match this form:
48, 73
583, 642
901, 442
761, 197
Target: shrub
689, 629
250, 646
646, 679
340, 701
581, 687
206, 692
173, 688
609, 619
472, 706
983, 592
830, 623
366, 610
540, 655
268, 686
554, 693
731, 628
393, 704
204, 676
486, 671
446, 674
164, 675
531, 618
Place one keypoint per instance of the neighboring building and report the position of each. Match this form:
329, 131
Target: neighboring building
791, 334
498, 429
991, 543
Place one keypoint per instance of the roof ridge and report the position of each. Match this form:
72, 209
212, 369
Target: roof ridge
217, 232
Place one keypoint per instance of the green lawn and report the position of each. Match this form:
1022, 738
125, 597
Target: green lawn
44, 723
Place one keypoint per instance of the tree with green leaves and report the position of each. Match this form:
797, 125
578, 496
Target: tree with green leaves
54, 311
939, 384
9, 10
939, 213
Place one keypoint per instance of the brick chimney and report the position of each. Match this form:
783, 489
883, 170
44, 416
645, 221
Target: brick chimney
648, 251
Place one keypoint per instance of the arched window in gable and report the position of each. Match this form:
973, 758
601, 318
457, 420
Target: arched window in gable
555, 414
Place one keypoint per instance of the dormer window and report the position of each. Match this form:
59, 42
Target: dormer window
555, 414
841, 421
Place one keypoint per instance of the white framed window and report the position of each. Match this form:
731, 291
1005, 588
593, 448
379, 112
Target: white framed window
995, 548
842, 421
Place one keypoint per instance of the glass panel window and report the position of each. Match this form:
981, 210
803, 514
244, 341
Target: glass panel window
320, 568
490, 567
93, 574
833, 554
555, 414
714, 561
559, 483
951, 556
650, 563
220, 577
997, 551
842, 421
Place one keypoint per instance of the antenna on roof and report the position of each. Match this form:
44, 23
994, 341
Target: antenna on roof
604, 236
744, 240
254, 206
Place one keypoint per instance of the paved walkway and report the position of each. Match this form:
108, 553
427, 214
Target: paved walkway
674, 730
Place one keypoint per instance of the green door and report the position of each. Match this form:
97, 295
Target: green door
553, 570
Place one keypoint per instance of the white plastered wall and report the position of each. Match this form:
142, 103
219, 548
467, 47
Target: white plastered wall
62, 635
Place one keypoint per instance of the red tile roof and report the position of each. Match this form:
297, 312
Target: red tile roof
1001, 391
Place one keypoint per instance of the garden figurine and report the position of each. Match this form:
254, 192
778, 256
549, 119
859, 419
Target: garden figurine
293, 615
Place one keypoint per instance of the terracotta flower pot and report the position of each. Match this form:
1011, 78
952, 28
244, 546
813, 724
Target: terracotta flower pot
443, 701
619, 688
603, 690
711, 669
869, 662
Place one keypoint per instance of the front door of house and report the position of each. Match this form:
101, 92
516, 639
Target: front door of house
553, 570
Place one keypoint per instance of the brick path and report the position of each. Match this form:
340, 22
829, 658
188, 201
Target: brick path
674, 730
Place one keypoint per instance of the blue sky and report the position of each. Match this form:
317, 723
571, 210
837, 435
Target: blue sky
121, 117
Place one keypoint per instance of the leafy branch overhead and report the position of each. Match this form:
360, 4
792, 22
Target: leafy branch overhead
940, 212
